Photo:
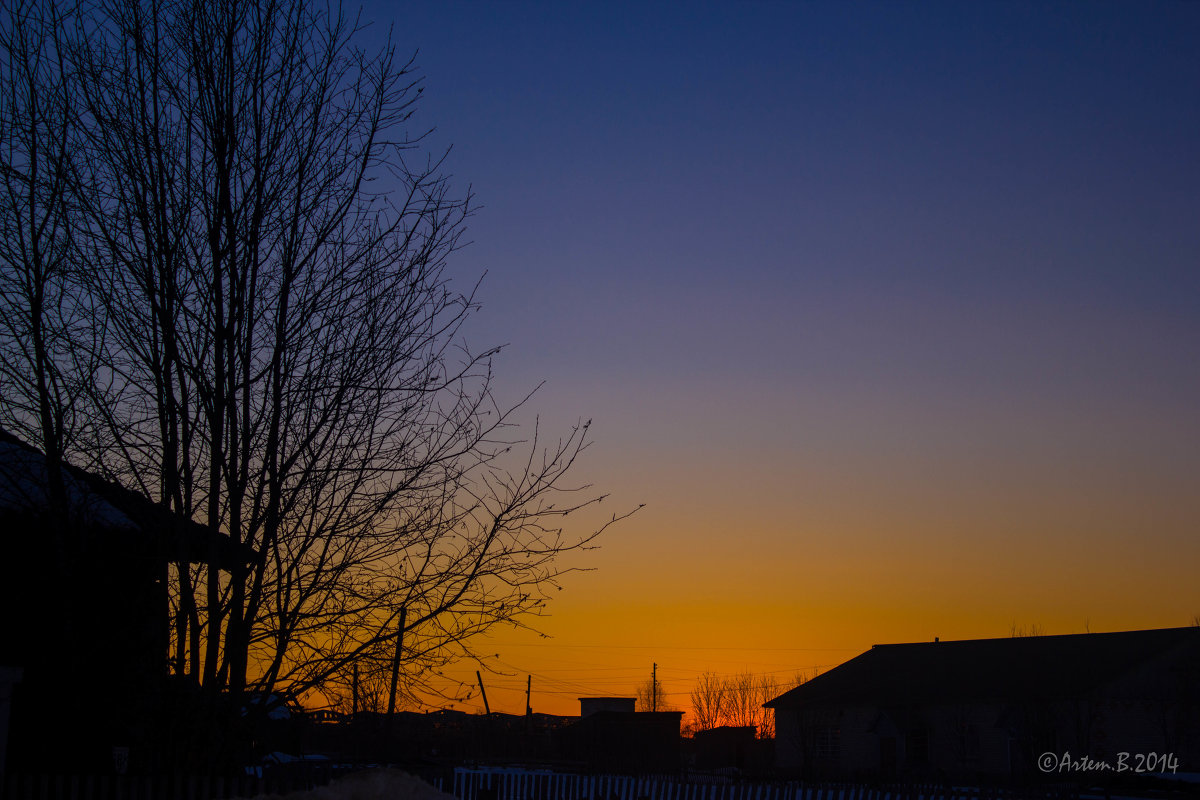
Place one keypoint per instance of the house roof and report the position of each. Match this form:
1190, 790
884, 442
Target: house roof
97, 503
1028, 668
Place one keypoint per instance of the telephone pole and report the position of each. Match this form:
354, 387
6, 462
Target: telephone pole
654, 688
391, 707
486, 708
395, 677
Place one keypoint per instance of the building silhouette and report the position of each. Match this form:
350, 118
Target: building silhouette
996, 708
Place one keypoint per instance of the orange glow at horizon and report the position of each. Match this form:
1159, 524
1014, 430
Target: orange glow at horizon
791, 617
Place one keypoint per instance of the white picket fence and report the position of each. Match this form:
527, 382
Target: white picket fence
526, 784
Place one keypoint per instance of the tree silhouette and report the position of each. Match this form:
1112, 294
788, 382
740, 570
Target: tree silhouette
230, 195
37, 310
651, 696
709, 701
736, 700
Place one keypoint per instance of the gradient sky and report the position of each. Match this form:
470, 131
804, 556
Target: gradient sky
890, 313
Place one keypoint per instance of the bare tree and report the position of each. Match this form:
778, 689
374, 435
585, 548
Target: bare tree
651, 696
38, 312
274, 348
365, 688
735, 700
708, 701
767, 688
1021, 631
741, 708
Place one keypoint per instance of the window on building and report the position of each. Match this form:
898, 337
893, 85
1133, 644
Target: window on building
828, 748
916, 748
969, 743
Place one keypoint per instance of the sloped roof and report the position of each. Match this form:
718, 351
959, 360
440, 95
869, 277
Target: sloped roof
97, 503
23, 487
1029, 668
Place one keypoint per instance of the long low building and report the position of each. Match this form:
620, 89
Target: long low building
999, 708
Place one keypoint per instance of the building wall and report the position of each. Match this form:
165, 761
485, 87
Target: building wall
9, 678
90, 643
629, 741
820, 743
1156, 708
984, 739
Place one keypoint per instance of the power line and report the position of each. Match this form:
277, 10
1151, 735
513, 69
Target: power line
660, 647
627, 674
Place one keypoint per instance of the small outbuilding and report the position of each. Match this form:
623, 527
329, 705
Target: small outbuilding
590, 705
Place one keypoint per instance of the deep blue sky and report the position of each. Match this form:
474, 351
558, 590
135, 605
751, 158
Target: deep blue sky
890, 312
635, 162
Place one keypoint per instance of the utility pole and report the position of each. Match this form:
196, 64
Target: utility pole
391, 709
357, 734
391, 706
654, 688
528, 689
486, 708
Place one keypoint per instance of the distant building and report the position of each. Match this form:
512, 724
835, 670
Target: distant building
730, 747
628, 741
993, 707
603, 741
590, 705
611, 736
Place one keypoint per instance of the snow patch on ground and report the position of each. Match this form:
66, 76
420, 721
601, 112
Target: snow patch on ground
376, 784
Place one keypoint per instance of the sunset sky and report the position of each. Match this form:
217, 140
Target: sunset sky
889, 313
